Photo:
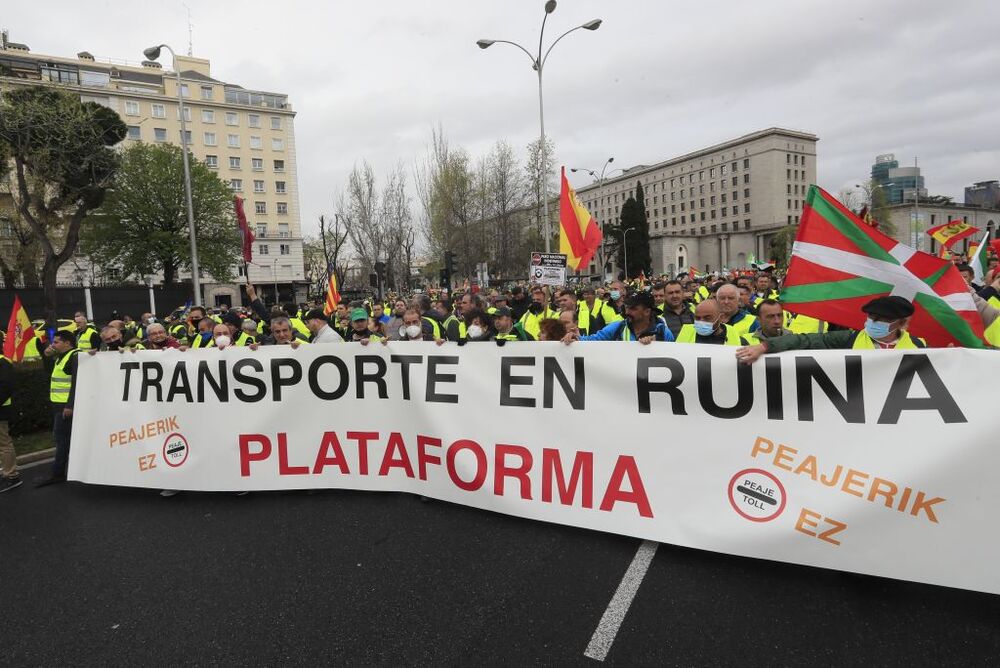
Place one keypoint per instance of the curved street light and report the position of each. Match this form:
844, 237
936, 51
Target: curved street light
152, 53
538, 64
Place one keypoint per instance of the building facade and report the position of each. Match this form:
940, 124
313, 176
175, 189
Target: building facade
984, 194
910, 224
246, 136
714, 207
899, 183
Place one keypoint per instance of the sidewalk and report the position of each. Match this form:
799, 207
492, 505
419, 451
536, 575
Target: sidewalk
36, 456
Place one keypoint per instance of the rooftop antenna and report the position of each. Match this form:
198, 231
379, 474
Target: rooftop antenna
190, 31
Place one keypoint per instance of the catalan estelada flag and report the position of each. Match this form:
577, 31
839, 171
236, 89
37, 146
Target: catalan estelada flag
952, 231
579, 235
19, 332
332, 294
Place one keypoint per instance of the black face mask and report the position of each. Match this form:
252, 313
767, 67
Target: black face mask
114, 345
536, 308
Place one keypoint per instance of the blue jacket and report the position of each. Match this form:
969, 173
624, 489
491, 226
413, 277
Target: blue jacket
622, 331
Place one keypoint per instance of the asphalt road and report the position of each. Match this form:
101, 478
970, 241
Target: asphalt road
113, 576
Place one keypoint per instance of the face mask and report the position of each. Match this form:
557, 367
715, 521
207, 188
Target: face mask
616, 295
876, 330
475, 331
222, 341
114, 345
150, 321
704, 327
536, 308
412, 331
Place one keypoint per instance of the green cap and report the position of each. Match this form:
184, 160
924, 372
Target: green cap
359, 314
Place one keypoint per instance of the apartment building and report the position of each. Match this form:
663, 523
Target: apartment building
246, 135
715, 206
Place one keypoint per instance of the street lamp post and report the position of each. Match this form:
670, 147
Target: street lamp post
538, 64
152, 53
625, 247
274, 277
599, 179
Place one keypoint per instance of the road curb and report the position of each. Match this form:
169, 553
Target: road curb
32, 457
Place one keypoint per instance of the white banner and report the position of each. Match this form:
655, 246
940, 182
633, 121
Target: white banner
875, 462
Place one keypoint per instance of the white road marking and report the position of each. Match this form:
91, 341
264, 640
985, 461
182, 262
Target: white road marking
611, 620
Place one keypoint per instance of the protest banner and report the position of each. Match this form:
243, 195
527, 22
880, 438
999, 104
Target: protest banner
877, 462
547, 268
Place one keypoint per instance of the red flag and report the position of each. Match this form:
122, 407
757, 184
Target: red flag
245, 233
579, 235
332, 294
952, 231
19, 332
839, 263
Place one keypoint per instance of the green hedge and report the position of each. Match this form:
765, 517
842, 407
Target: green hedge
30, 409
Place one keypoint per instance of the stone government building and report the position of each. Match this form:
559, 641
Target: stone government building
714, 207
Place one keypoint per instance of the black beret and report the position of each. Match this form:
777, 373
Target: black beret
231, 318
893, 307
315, 314
641, 299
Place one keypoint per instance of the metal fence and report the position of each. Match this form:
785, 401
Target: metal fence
107, 301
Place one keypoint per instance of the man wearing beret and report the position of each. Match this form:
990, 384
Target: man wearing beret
319, 325
885, 329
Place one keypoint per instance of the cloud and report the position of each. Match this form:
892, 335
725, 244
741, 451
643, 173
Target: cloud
369, 80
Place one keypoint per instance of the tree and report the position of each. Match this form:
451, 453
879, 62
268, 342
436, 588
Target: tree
334, 244
874, 197
62, 163
781, 245
633, 217
142, 226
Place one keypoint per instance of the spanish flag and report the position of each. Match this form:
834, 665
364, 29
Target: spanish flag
19, 332
579, 235
952, 231
332, 294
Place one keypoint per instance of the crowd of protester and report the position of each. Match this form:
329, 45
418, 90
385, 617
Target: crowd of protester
739, 309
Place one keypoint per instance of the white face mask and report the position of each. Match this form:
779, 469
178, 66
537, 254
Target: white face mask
413, 331
222, 341
475, 331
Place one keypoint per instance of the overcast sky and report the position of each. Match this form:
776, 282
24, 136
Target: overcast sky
369, 80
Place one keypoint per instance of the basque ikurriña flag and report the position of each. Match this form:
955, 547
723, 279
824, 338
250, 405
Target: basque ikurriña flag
839, 263
579, 235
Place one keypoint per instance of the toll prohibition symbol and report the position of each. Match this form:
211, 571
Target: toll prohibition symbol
757, 495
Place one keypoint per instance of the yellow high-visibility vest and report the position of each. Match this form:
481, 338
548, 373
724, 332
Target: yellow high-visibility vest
865, 342
60, 381
688, 334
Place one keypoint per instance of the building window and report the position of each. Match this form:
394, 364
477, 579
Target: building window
711, 173
131, 108
285, 249
232, 118
723, 170
233, 141
713, 229
702, 216
725, 211
185, 138
185, 91
789, 205
746, 224
234, 162
260, 208
746, 163
279, 187
212, 161
713, 214
262, 230
736, 195
159, 111
703, 229
134, 132
275, 122
236, 185
253, 120
187, 113
277, 144
283, 230
735, 181
207, 116
701, 202
263, 249
255, 142
723, 198
711, 200
257, 164
206, 92
746, 178
746, 192
258, 186
746, 208
209, 139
